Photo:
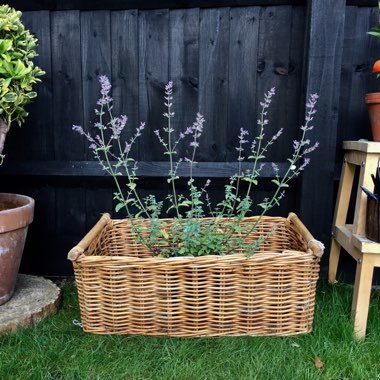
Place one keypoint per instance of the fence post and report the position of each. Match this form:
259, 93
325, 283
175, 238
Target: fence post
322, 71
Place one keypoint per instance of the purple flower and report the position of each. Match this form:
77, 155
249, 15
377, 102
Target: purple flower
78, 129
243, 133
117, 125
275, 168
312, 148
104, 100
127, 148
105, 85
278, 134
189, 131
305, 163
169, 88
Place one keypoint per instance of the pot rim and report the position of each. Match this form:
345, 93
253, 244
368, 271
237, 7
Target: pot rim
28, 201
17, 217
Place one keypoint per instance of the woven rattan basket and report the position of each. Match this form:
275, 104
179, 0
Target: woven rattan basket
124, 290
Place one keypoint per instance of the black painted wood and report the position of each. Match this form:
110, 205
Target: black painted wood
90, 169
221, 56
324, 48
95, 61
150, 4
359, 51
125, 70
153, 76
67, 84
184, 71
243, 52
213, 82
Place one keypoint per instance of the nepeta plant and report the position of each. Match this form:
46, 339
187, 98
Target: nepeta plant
190, 231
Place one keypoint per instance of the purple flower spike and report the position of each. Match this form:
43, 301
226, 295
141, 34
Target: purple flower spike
105, 85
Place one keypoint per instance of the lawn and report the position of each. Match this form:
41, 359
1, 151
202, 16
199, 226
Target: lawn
58, 349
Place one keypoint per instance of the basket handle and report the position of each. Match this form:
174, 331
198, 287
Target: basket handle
86, 241
316, 246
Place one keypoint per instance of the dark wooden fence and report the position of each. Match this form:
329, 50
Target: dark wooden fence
222, 56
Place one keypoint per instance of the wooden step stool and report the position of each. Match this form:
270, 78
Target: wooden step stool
351, 237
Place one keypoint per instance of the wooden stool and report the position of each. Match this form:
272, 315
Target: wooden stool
351, 237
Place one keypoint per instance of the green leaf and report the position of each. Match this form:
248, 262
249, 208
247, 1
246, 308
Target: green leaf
263, 205
10, 97
119, 206
31, 95
279, 184
8, 67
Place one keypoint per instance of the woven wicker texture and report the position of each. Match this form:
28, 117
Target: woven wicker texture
124, 290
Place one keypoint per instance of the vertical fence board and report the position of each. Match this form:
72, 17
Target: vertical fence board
243, 52
125, 69
324, 46
213, 82
67, 84
273, 68
293, 99
184, 69
96, 61
68, 110
153, 75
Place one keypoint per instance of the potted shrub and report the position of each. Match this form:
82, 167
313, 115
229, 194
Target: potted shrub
210, 269
18, 75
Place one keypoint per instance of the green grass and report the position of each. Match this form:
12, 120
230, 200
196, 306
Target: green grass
56, 349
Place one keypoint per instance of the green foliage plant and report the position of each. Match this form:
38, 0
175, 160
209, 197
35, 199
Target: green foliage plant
18, 74
192, 232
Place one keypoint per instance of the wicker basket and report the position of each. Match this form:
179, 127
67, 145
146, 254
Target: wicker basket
124, 290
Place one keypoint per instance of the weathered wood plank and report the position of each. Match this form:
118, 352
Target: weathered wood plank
184, 70
274, 71
360, 50
67, 84
125, 70
324, 47
153, 76
146, 169
68, 109
243, 52
95, 61
213, 82
152, 4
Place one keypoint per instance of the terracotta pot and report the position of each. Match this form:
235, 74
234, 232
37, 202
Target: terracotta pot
16, 213
373, 104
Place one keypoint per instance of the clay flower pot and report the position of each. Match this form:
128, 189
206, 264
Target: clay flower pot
373, 104
16, 213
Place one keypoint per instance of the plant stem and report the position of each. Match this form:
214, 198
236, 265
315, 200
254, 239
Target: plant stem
171, 160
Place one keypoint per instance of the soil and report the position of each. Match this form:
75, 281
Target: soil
7, 205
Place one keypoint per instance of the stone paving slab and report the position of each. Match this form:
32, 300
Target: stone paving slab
34, 299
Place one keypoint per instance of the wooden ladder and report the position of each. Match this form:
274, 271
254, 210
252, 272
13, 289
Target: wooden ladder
351, 237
